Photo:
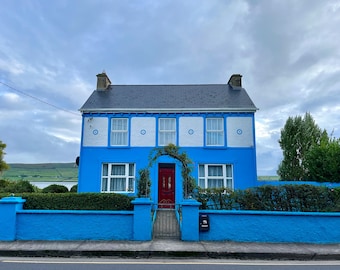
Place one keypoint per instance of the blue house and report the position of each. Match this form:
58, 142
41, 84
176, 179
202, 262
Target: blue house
121, 124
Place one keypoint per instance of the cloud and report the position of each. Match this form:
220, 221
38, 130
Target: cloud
287, 52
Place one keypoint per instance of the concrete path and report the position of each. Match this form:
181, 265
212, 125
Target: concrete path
171, 248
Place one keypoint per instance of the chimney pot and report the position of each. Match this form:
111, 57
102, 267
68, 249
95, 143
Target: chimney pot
103, 81
235, 80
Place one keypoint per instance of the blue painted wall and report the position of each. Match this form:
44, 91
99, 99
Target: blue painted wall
243, 160
74, 225
262, 226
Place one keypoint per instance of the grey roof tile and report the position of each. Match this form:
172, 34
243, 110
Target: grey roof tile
209, 97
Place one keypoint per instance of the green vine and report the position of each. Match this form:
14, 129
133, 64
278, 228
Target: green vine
144, 183
173, 151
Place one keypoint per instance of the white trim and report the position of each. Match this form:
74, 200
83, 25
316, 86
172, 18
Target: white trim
169, 110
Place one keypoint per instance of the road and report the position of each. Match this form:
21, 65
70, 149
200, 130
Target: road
157, 264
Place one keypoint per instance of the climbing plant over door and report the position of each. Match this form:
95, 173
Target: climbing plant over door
173, 151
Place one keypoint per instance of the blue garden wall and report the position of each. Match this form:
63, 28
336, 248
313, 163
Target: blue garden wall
278, 227
239, 226
19, 224
74, 225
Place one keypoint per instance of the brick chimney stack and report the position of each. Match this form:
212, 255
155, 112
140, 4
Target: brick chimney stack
235, 80
103, 81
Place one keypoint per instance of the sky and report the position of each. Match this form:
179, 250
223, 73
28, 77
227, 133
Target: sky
50, 52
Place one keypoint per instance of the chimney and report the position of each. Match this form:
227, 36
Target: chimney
235, 80
103, 81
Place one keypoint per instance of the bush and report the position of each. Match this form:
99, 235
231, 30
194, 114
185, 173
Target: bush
74, 188
55, 189
19, 186
75, 201
302, 198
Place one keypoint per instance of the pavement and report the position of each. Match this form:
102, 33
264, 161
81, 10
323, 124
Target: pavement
171, 249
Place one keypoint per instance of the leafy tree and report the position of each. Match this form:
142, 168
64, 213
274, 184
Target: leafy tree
323, 161
297, 137
3, 165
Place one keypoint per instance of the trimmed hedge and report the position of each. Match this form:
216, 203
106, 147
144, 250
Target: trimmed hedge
295, 198
55, 189
75, 201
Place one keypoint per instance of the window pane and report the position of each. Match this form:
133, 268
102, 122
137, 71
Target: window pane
118, 169
229, 184
202, 183
131, 170
215, 171
104, 184
201, 171
215, 183
119, 138
131, 184
117, 184
229, 171
119, 124
105, 170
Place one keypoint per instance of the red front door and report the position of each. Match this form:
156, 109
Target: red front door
166, 185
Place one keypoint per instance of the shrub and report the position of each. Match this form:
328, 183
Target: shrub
19, 186
303, 198
55, 189
74, 188
75, 201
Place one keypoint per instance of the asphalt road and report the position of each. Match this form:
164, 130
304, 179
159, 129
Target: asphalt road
159, 264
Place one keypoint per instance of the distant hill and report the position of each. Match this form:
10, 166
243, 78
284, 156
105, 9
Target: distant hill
42, 172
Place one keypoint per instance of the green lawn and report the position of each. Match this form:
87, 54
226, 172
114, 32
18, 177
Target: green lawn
42, 172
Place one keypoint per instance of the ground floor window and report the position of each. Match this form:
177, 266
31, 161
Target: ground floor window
118, 177
215, 176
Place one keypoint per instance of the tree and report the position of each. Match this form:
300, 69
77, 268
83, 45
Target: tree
3, 164
297, 137
323, 161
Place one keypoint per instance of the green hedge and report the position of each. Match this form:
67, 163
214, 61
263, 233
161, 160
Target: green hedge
302, 198
55, 189
75, 201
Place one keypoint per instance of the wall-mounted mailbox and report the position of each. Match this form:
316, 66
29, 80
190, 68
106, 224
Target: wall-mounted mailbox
204, 222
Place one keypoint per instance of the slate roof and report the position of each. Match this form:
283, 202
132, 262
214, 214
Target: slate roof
169, 98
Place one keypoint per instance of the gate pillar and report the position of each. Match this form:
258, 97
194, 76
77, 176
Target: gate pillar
190, 220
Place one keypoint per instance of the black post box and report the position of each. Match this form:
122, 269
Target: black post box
204, 222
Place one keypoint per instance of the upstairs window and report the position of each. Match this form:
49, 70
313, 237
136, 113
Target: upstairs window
118, 177
214, 132
167, 131
215, 176
119, 132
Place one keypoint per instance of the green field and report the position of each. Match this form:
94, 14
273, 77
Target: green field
55, 172
47, 172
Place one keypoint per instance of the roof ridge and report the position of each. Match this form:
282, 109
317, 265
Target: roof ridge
168, 84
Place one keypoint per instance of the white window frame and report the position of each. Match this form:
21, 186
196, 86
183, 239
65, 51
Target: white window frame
166, 136
219, 133
108, 178
228, 180
123, 132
